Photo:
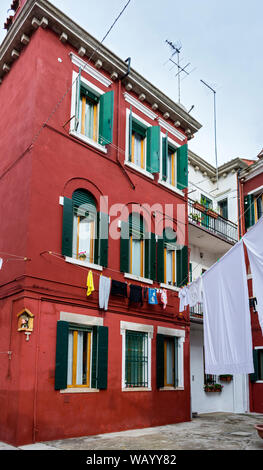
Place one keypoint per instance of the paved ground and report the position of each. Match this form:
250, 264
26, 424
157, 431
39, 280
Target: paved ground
215, 431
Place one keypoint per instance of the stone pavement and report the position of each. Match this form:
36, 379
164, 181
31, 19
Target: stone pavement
214, 431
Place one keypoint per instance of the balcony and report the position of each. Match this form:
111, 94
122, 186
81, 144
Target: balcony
211, 222
196, 313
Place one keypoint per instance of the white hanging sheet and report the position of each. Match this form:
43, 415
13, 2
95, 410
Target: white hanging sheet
227, 324
253, 240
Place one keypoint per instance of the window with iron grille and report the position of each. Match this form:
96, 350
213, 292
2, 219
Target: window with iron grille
136, 359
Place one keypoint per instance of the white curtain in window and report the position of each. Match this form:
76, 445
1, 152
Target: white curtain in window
137, 150
136, 257
169, 266
169, 362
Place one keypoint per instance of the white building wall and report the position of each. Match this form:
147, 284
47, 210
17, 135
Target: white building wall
233, 398
227, 188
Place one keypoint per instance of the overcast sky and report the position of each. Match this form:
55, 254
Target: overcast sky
222, 41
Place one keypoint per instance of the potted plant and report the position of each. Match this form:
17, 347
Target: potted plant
196, 218
82, 256
213, 387
212, 213
199, 206
226, 377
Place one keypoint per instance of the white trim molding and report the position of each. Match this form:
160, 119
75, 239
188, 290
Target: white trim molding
138, 278
148, 329
141, 107
90, 70
171, 129
180, 334
86, 264
81, 319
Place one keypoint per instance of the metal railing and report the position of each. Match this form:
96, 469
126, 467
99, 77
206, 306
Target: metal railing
211, 221
197, 310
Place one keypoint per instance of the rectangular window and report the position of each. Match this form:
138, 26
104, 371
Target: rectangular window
92, 110
136, 359
170, 265
169, 358
81, 354
223, 208
83, 238
88, 117
79, 358
171, 167
169, 362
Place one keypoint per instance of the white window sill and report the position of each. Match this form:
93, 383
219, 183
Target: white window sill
86, 264
136, 389
164, 389
140, 170
79, 390
259, 382
87, 140
138, 278
171, 187
167, 286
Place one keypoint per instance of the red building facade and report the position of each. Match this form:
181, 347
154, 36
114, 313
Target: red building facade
251, 209
85, 144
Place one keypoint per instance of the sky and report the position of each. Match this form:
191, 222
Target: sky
222, 41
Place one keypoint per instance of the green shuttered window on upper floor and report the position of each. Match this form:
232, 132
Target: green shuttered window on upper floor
143, 144
94, 113
174, 164
172, 262
85, 231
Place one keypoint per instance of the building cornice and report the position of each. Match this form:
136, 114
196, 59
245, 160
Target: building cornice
229, 167
252, 171
41, 13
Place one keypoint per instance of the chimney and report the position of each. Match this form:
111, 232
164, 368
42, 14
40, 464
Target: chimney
16, 6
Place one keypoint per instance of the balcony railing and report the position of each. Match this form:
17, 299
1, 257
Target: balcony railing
211, 221
197, 311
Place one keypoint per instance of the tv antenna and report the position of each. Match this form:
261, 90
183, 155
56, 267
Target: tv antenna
176, 50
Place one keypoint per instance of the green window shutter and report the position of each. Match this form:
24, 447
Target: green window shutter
106, 118
102, 364
164, 158
94, 357
103, 234
67, 233
182, 266
159, 360
124, 248
77, 100
182, 167
153, 149
61, 368
249, 211
160, 260
254, 377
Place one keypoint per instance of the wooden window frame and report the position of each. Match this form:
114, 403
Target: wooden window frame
74, 358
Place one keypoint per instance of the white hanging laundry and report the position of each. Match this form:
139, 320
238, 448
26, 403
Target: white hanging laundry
227, 324
253, 240
191, 294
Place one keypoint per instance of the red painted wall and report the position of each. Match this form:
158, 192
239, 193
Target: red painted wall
255, 389
55, 166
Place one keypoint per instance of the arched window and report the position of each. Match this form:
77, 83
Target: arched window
85, 230
84, 225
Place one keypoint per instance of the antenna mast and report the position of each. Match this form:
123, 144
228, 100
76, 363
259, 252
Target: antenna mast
176, 49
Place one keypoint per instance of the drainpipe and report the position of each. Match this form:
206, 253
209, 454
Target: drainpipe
119, 123
238, 206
